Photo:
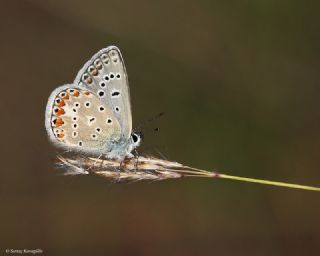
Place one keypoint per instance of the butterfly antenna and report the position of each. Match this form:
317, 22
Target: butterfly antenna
144, 123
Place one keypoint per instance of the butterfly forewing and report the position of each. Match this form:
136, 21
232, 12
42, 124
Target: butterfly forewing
105, 76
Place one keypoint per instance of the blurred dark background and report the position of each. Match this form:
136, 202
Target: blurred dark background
239, 81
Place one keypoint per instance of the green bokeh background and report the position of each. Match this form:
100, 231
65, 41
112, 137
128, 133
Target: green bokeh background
239, 82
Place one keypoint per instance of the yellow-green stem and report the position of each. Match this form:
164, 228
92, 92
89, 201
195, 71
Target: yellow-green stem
268, 182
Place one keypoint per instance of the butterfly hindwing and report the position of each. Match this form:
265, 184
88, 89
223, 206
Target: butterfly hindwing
79, 119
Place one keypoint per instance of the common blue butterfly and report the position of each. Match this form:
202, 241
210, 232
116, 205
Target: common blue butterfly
93, 114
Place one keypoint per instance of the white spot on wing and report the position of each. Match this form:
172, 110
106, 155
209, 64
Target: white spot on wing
87, 104
101, 93
111, 75
115, 93
102, 84
94, 136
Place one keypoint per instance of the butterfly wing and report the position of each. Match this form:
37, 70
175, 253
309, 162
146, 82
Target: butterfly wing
105, 75
78, 119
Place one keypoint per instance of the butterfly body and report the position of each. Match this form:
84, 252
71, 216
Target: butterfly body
92, 115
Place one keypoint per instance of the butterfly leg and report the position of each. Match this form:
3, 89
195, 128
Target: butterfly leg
123, 164
96, 160
136, 157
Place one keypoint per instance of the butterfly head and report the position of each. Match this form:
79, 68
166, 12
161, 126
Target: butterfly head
136, 139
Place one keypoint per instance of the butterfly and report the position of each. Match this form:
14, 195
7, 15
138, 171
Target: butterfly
92, 116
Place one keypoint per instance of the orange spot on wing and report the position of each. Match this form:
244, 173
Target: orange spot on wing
61, 103
86, 92
59, 122
76, 93
60, 112
66, 97
60, 135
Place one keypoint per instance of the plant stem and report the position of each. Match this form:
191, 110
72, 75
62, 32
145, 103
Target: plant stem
268, 182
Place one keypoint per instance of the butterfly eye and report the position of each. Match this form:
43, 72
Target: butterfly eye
134, 138
137, 137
